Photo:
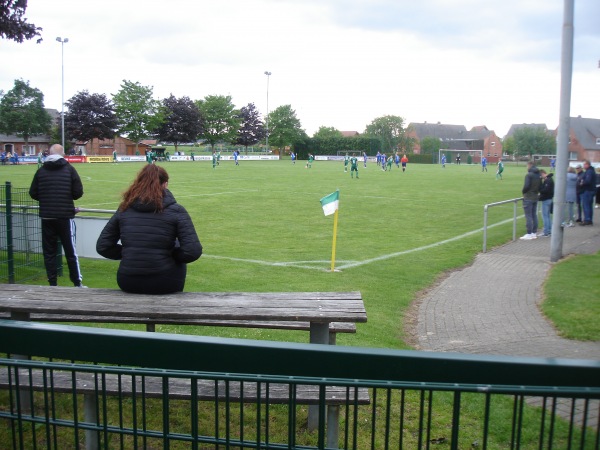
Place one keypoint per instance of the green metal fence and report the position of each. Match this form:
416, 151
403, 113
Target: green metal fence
21, 256
123, 389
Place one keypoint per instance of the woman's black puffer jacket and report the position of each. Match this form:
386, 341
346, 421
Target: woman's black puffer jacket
151, 242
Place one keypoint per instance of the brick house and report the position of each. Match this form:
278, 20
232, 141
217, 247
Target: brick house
36, 144
457, 137
99, 147
584, 139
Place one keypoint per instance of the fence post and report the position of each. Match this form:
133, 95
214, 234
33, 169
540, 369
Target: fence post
9, 234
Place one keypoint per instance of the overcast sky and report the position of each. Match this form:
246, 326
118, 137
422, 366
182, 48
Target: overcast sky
338, 63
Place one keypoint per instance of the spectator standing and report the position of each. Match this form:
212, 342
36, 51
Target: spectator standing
531, 191
597, 188
546, 195
588, 192
152, 235
56, 185
570, 197
579, 173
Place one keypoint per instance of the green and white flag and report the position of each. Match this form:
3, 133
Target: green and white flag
331, 203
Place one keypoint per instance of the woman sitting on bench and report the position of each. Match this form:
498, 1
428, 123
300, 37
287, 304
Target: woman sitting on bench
157, 237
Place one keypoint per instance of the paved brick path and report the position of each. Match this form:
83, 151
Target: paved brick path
472, 312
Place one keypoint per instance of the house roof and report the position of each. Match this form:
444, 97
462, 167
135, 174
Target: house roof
438, 130
518, 126
587, 131
12, 139
349, 133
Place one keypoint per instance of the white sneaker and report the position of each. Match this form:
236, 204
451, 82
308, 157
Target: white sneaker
534, 236
527, 237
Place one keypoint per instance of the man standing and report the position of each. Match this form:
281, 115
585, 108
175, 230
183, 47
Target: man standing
546, 196
531, 191
55, 186
404, 161
588, 192
353, 166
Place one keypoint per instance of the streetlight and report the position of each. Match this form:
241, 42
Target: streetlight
268, 74
62, 103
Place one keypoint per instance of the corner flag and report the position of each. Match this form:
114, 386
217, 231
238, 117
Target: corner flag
331, 203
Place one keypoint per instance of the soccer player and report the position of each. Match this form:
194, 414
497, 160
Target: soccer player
293, 155
500, 169
484, 164
192, 155
378, 158
365, 159
353, 166
443, 161
218, 158
115, 156
404, 161
235, 157
382, 159
311, 158
397, 160
390, 161
346, 161
214, 159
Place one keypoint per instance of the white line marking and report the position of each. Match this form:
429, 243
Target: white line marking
319, 264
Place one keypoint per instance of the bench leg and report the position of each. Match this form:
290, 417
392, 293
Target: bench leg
333, 426
24, 394
89, 413
319, 334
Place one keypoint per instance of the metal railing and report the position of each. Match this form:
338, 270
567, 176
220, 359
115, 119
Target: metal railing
514, 201
416, 399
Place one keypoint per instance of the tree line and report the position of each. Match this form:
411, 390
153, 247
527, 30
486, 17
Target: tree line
133, 112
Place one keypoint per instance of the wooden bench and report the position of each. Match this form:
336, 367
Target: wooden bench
312, 311
334, 327
315, 311
94, 386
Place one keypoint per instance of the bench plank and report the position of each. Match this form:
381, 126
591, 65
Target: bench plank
320, 307
334, 327
178, 388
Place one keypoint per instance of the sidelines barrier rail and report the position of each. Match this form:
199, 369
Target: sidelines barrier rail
417, 399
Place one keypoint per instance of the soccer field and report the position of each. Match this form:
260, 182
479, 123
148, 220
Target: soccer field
263, 229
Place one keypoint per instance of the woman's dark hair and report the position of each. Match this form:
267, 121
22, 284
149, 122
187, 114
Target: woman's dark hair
147, 188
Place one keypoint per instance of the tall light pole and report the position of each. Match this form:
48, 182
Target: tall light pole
268, 74
62, 102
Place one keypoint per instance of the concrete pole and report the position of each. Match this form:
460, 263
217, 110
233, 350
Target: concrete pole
562, 144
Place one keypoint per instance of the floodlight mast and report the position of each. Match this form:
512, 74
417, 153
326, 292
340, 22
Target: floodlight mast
62, 41
268, 74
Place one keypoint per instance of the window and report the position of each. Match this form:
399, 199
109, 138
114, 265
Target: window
29, 149
572, 156
597, 141
493, 144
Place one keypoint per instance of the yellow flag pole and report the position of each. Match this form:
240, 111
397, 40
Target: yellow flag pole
335, 221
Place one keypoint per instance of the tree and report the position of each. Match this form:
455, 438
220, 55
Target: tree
534, 140
390, 131
252, 129
508, 145
13, 25
90, 116
22, 112
327, 132
138, 113
220, 119
284, 127
430, 145
181, 122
